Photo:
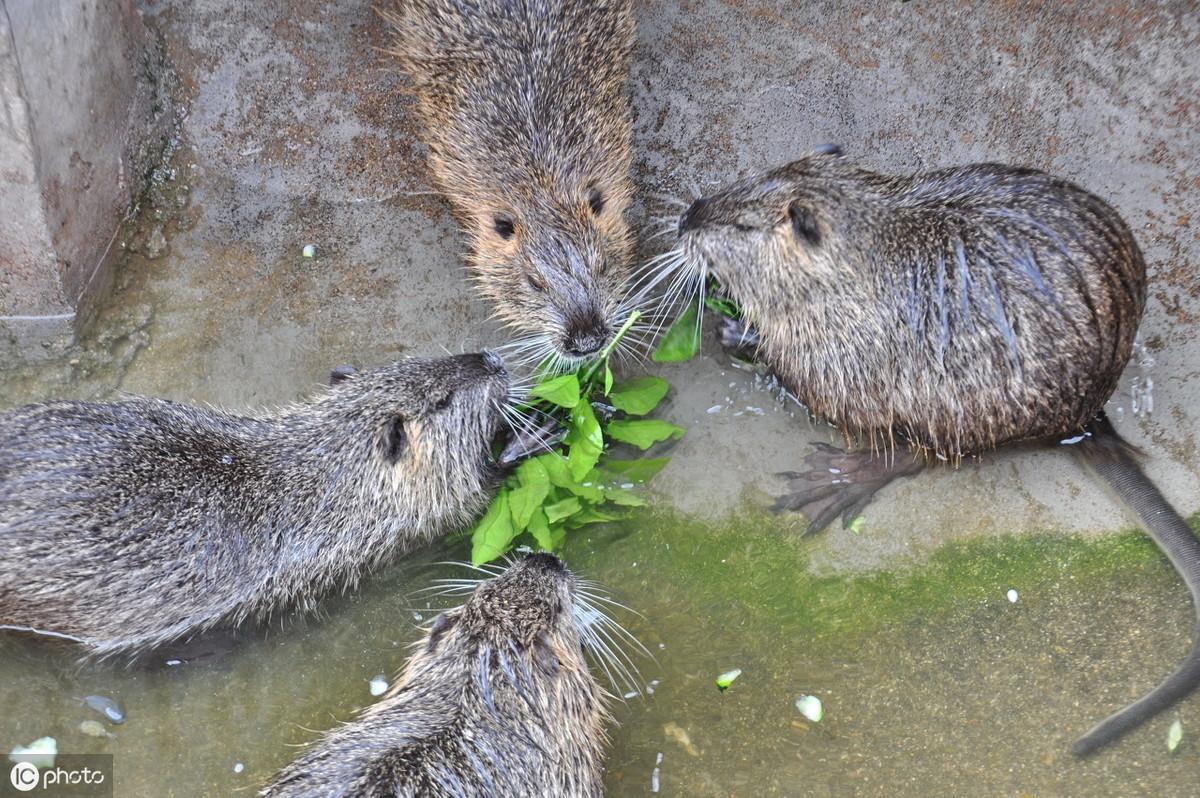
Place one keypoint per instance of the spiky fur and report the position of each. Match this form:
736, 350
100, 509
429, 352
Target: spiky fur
525, 108
497, 700
960, 309
131, 524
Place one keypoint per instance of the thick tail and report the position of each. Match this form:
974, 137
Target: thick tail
1114, 460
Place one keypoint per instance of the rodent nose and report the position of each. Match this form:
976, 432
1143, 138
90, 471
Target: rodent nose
494, 362
693, 217
587, 338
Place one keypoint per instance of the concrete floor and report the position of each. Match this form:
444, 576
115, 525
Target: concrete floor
297, 131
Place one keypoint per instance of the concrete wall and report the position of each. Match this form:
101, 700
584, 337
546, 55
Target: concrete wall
77, 103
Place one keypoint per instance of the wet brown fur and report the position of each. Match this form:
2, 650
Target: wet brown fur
128, 525
960, 309
525, 110
497, 700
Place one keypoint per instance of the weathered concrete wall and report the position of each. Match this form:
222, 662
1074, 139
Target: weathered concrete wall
77, 124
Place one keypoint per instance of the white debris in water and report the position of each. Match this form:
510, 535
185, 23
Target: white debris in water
758, 411
40, 752
1012, 595
630, 694
174, 662
309, 251
238, 767
650, 687
810, 707
626, 485
418, 616
1174, 735
657, 773
379, 685
712, 411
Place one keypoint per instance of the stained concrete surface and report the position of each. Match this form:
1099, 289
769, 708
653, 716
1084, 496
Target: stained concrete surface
298, 131
85, 112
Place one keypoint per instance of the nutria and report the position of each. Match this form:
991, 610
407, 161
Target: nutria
954, 311
128, 525
526, 113
497, 700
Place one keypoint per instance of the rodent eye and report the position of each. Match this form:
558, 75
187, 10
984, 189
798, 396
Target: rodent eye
804, 223
536, 283
442, 403
503, 225
395, 440
595, 200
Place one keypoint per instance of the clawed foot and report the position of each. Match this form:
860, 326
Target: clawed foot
738, 338
842, 483
532, 440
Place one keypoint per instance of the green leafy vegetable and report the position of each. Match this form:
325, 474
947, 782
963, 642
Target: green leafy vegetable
639, 396
578, 483
643, 433
682, 339
562, 391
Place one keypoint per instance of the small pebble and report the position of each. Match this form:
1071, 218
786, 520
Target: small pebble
379, 685
309, 251
1012, 595
107, 707
93, 728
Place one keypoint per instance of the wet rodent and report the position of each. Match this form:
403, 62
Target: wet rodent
131, 524
952, 311
525, 110
497, 700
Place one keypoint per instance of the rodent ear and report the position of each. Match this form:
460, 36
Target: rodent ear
394, 440
804, 223
544, 656
441, 625
341, 374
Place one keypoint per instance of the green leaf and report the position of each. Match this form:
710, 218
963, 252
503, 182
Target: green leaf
585, 440
682, 339
639, 396
856, 526
532, 472
523, 501
643, 433
590, 492
560, 510
726, 307
634, 470
727, 678
562, 391
608, 378
494, 532
590, 515
539, 527
625, 498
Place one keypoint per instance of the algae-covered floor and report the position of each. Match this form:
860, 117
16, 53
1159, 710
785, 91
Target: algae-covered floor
296, 131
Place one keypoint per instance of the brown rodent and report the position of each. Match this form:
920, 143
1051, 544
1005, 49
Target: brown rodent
131, 524
526, 113
497, 700
954, 310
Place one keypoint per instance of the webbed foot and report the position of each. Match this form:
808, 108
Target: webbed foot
532, 440
839, 482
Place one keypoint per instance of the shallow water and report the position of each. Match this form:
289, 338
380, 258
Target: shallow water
933, 682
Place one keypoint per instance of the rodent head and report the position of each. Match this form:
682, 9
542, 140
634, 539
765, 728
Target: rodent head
556, 263
429, 426
810, 219
522, 622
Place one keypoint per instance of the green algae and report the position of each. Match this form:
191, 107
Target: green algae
752, 563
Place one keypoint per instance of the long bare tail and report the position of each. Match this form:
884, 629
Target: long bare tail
1116, 462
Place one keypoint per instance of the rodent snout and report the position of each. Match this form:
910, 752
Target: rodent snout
587, 338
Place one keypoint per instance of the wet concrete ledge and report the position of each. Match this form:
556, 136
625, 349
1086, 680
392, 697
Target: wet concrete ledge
82, 118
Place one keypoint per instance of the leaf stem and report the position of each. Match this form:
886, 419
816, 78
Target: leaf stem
604, 353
